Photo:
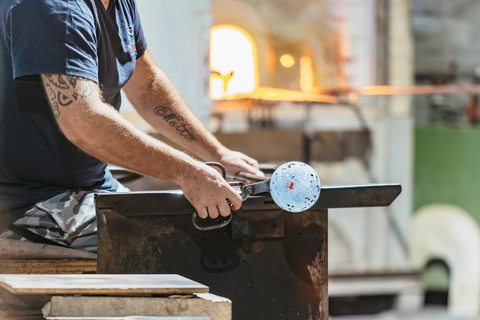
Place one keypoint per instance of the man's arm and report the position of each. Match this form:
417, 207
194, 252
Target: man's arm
99, 130
157, 100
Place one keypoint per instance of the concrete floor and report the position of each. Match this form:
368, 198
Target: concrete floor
426, 314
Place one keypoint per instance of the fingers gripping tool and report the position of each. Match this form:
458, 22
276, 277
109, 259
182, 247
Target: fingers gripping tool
294, 187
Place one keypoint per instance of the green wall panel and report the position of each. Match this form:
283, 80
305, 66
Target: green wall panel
447, 167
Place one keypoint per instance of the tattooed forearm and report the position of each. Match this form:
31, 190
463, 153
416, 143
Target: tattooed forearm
176, 121
63, 90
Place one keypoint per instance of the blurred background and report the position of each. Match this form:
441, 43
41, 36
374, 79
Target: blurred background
365, 91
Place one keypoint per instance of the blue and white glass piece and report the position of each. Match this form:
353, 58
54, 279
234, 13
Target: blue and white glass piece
295, 186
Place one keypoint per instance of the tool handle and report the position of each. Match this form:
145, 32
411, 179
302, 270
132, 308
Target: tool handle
207, 225
219, 166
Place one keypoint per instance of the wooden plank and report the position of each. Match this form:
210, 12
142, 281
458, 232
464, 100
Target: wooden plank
127, 318
126, 285
48, 266
13, 302
22, 317
25, 250
201, 305
8, 311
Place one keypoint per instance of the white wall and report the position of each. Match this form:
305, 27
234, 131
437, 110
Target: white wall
358, 17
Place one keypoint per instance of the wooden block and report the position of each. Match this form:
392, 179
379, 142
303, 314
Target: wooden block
166, 318
95, 284
22, 317
15, 302
12, 312
48, 266
128, 318
25, 250
199, 305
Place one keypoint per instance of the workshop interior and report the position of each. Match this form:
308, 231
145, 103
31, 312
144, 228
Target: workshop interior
364, 117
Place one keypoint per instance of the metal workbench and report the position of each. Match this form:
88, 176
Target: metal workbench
271, 263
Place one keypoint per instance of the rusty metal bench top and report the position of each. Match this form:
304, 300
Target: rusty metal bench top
173, 202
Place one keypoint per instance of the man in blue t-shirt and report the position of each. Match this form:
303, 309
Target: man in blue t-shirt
62, 66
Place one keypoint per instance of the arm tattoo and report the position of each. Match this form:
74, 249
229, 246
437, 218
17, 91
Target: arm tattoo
59, 82
73, 81
63, 100
51, 96
176, 121
50, 92
55, 109
62, 90
86, 92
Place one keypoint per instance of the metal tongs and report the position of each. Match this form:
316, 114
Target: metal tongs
294, 187
261, 185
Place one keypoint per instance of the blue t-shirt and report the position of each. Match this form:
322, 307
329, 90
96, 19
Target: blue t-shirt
74, 37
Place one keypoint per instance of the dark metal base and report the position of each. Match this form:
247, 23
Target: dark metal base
269, 278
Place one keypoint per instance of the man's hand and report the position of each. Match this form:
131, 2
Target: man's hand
208, 192
235, 162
